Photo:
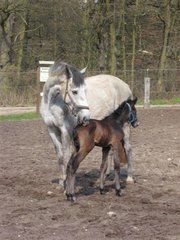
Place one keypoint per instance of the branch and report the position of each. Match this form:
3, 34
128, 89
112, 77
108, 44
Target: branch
5, 36
32, 30
161, 18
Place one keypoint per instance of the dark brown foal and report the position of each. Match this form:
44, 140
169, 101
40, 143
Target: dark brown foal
106, 133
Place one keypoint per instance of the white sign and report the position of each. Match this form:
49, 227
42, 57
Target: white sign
44, 70
44, 73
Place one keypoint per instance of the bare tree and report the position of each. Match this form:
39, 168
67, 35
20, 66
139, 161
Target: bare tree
167, 14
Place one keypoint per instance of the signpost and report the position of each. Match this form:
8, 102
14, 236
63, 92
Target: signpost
44, 69
42, 76
146, 92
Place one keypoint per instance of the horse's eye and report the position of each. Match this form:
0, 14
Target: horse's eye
75, 92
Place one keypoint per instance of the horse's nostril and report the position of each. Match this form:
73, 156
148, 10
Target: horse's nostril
85, 121
135, 124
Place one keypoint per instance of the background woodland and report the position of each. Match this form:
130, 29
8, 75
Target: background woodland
119, 37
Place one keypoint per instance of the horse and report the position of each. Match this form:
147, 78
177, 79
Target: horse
104, 94
106, 133
63, 105
65, 102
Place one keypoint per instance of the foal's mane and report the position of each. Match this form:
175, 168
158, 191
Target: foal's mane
117, 112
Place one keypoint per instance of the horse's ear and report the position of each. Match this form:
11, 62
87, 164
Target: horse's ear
129, 100
132, 101
83, 71
68, 72
135, 100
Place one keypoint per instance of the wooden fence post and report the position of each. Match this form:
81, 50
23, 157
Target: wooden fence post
38, 90
146, 92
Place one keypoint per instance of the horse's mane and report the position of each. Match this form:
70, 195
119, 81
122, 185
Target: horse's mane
59, 68
57, 73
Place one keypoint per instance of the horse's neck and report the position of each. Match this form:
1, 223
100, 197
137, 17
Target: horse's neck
121, 120
112, 121
70, 122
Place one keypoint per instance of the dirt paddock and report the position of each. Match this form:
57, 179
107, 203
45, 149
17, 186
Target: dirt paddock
33, 208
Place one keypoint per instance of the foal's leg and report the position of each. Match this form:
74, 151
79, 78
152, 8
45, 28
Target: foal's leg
72, 167
109, 163
117, 150
128, 149
103, 167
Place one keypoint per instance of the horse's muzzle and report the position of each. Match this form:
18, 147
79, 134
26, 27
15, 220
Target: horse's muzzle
85, 121
135, 124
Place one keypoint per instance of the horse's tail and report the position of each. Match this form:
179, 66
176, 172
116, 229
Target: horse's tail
46, 102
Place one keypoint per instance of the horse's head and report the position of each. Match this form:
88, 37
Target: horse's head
73, 89
132, 113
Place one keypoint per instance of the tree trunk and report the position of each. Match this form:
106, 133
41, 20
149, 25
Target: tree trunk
124, 42
112, 35
168, 23
103, 38
134, 35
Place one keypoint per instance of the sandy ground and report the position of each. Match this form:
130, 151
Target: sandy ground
32, 208
16, 110
19, 110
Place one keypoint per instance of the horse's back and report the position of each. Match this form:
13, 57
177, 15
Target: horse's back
105, 93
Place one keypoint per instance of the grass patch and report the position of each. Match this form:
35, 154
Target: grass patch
165, 101
22, 116
171, 101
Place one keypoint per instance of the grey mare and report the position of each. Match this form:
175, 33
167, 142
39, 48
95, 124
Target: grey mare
65, 103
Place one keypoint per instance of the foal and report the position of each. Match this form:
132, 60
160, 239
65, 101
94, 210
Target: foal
106, 133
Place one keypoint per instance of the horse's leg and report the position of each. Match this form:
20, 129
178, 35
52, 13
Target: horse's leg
128, 149
72, 167
117, 150
70, 179
55, 135
67, 149
103, 167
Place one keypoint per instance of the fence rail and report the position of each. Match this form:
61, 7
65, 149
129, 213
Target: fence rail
21, 89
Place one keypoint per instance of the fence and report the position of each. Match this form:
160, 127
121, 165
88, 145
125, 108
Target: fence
24, 91
170, 85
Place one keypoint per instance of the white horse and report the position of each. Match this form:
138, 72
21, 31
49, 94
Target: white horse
65, 103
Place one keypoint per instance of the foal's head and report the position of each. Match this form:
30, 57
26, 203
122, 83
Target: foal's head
126, 112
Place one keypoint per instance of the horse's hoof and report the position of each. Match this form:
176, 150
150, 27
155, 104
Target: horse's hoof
71, 197
68, 196
102, 191
61, 183
118, 192
130, 180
